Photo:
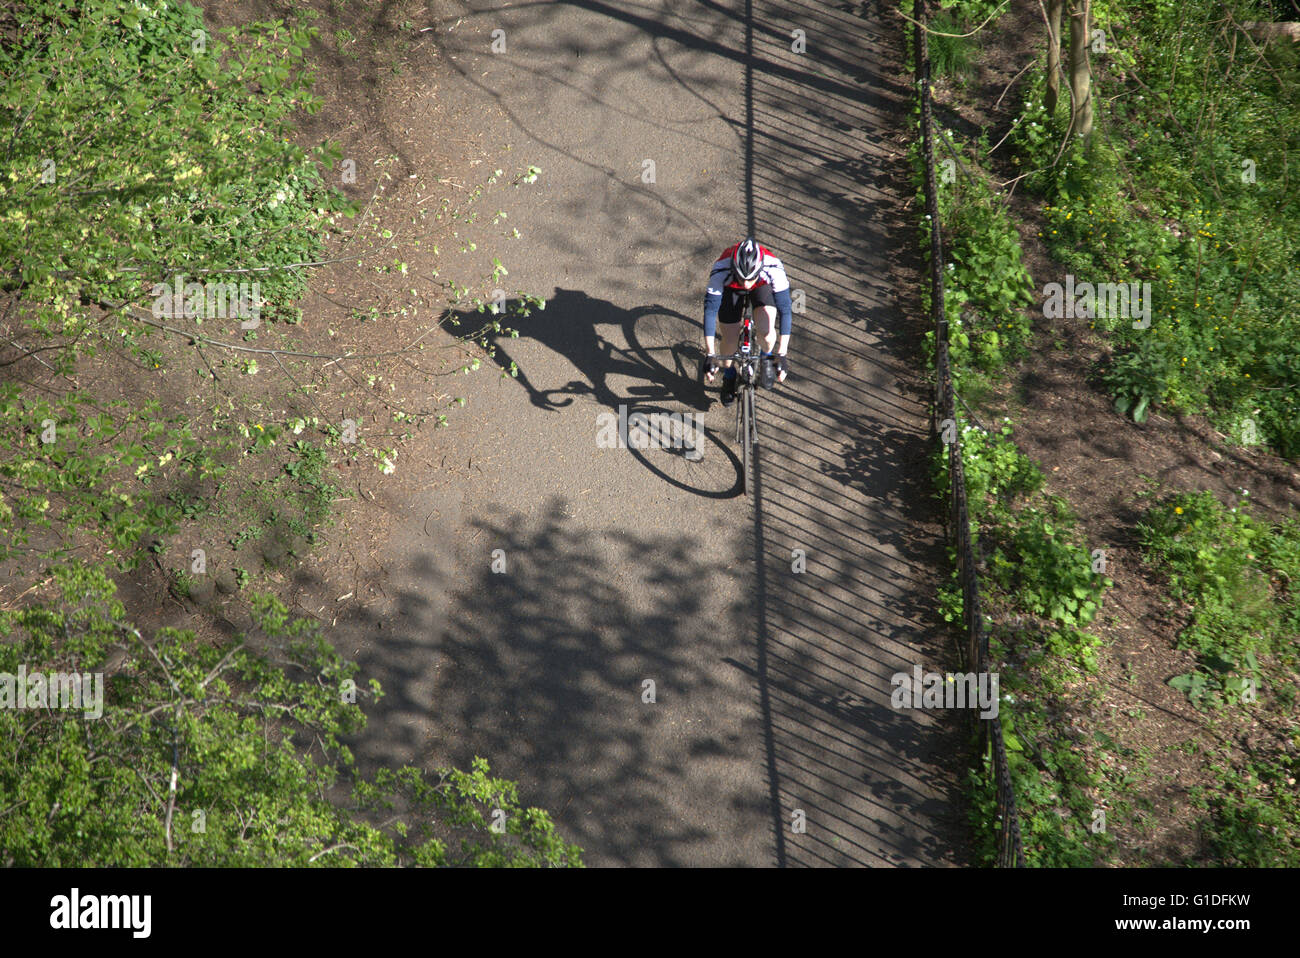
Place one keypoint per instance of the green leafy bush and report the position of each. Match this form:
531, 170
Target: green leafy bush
1255, 814
253, 742
146, 148
996, 470
1238, 575
986, 285
1049, 575
1138, 378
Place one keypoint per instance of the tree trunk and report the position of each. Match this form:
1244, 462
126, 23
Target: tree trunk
1080, 68
1053, 56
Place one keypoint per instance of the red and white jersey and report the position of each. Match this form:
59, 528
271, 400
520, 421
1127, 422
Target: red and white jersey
771, 272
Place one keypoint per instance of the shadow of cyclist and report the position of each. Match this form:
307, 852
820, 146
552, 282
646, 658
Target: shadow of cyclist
660, 358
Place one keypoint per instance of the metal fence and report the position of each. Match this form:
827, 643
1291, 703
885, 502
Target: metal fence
976, 651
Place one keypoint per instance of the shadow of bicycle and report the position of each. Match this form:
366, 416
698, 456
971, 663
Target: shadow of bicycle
643, 361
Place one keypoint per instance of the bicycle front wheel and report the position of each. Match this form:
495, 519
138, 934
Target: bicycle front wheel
747, 438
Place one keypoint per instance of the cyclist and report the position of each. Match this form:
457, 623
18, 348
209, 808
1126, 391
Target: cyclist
746, 272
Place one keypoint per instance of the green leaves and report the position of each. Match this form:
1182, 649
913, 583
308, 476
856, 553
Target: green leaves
1215, 685
1188, 206
138, 196
987, 273
1236, 574
1038, 565
77, 479
1138, 377
78, 792
995, 468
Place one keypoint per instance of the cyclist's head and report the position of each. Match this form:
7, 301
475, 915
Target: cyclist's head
746, 261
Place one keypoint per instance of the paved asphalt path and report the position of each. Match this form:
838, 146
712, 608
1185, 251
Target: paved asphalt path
623, 567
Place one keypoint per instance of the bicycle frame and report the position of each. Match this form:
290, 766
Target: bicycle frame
746, 357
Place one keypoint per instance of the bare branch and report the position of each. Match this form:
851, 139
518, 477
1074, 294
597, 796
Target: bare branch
936, 33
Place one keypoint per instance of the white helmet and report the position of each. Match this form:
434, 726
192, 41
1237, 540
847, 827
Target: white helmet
747, 260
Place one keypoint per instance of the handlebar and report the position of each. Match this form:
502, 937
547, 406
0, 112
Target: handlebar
722, 358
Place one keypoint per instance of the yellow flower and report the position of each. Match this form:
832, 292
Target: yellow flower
1178, 509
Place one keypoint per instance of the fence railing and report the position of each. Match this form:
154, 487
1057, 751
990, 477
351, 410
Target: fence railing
944, 422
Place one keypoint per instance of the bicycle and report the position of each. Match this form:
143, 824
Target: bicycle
748, 373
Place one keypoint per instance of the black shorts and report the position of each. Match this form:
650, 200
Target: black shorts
733, 301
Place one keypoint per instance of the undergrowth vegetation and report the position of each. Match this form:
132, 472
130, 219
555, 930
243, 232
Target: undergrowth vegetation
1239, 577
165, 405
1184, 185
1040, 585
1187, 184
